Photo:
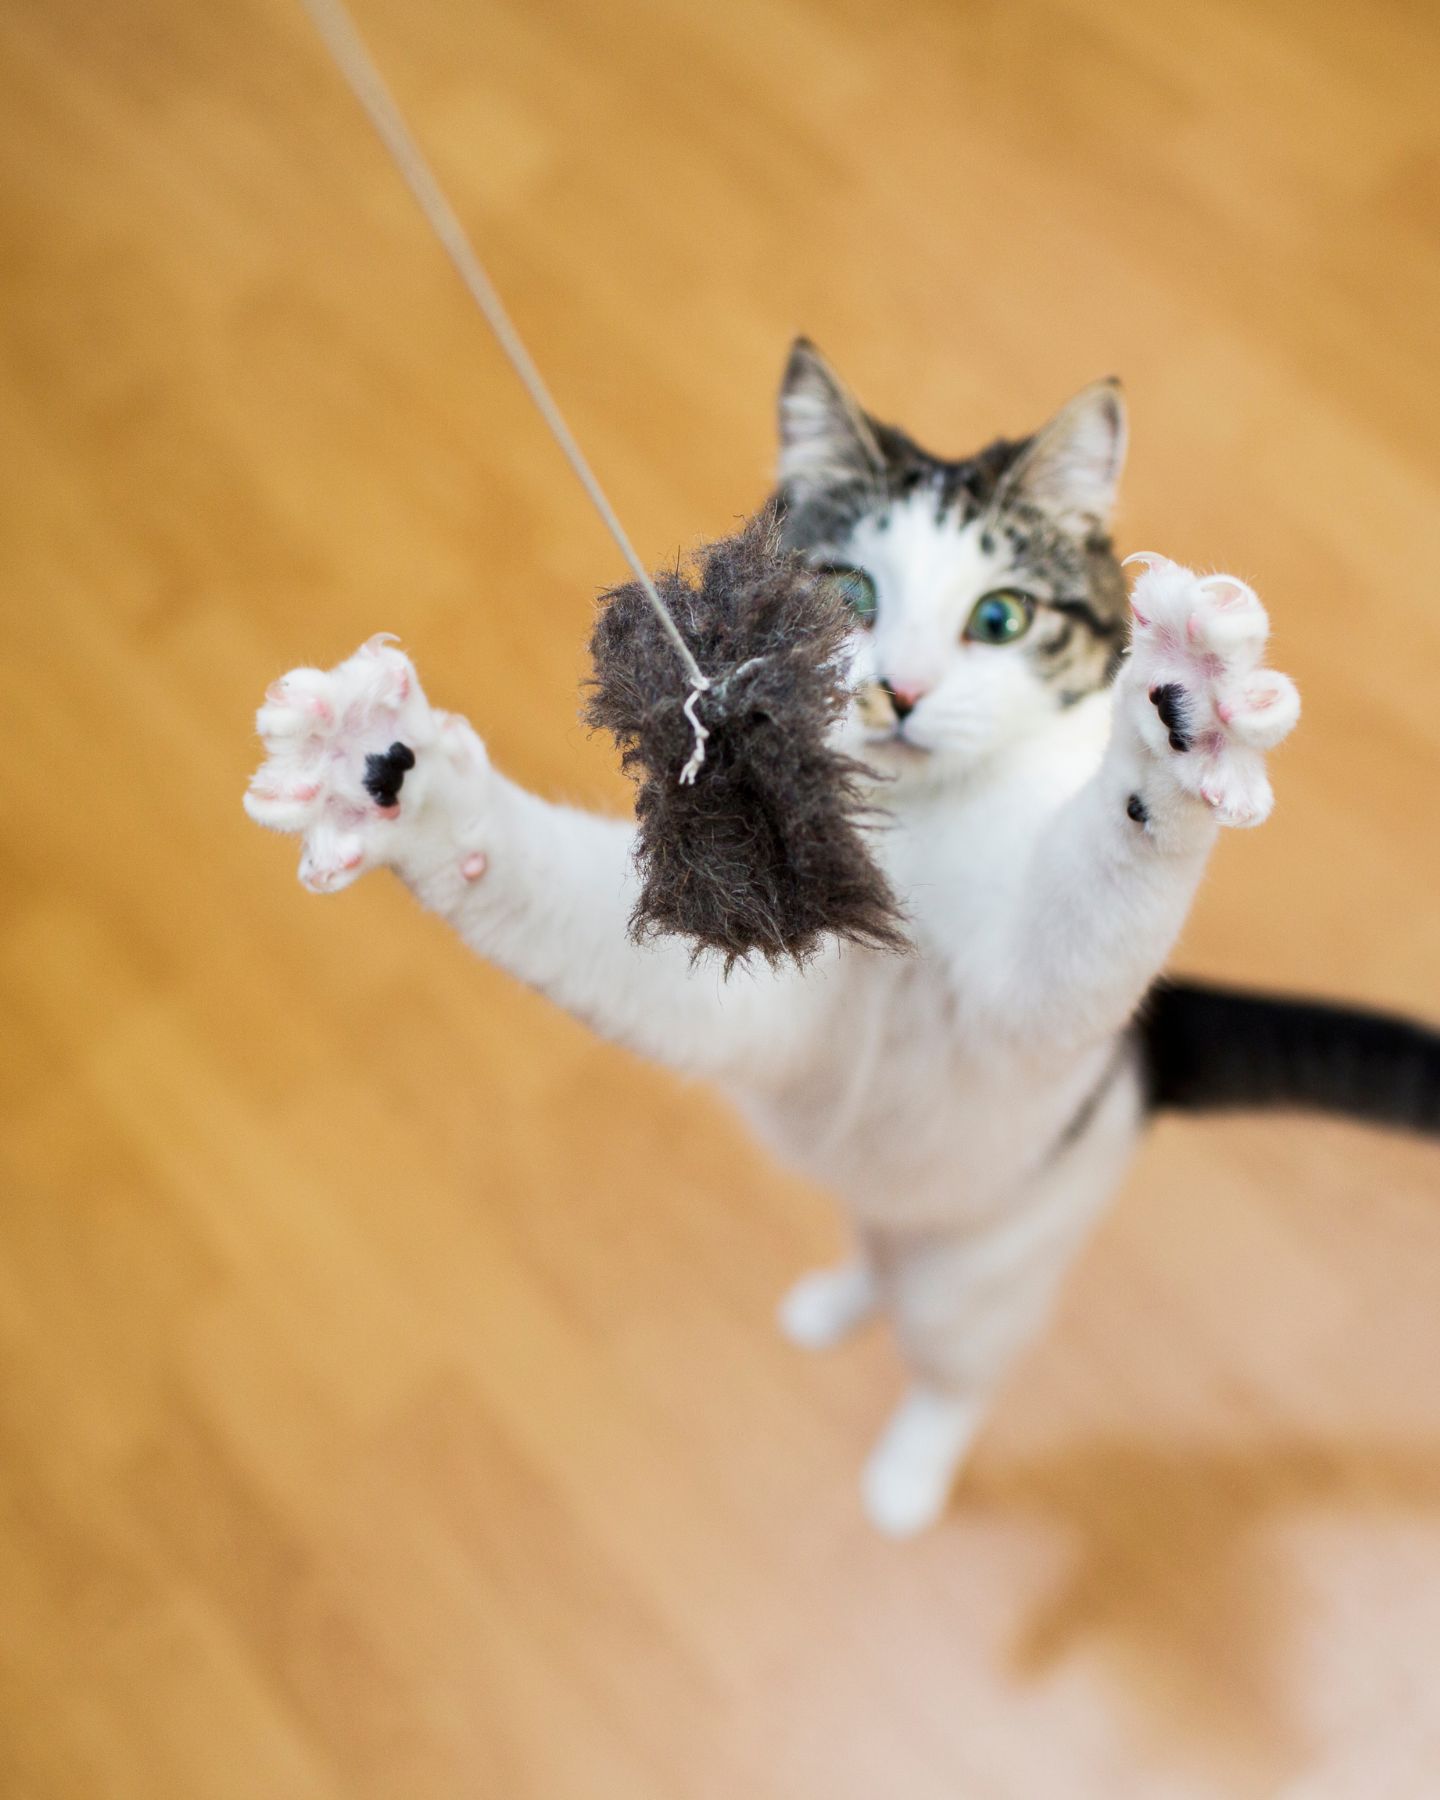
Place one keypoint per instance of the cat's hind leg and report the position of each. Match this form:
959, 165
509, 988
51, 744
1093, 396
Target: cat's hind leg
824, 1307
965, 1302
912, 1469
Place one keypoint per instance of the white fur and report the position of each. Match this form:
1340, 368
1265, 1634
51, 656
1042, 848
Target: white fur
932, 1092
825, 1306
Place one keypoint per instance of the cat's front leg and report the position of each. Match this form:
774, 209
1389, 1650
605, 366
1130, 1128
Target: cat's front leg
1114, 872
1195, 695
368, 774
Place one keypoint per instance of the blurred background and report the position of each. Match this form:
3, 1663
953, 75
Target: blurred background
389, 1399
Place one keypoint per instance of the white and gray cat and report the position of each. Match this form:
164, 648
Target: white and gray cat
1057, 764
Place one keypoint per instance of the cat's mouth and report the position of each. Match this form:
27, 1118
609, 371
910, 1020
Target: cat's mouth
896, 742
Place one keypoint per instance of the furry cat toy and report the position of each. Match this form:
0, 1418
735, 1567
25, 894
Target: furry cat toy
762, 849
1052, 768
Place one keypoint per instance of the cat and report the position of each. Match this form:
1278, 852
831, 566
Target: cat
1053, 765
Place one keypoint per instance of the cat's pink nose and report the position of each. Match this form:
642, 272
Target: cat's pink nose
905, 696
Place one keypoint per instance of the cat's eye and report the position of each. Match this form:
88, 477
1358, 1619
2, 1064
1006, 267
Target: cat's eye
856, 589
1000, 617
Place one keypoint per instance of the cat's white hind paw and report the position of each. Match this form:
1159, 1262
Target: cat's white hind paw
825, 1306
1200, 698
351, 757
912, 1470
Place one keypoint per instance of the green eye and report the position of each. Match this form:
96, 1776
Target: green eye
857, 590
1001, 617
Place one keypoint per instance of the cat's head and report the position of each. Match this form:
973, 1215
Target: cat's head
985, 589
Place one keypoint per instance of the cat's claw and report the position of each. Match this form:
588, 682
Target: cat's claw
345, 763
1201, 699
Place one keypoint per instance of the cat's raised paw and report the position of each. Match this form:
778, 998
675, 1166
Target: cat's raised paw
1200, 698
346, 766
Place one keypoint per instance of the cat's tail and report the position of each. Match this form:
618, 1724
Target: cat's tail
1211, 1048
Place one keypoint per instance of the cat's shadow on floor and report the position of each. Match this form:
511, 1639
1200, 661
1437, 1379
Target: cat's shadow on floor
1180, 1570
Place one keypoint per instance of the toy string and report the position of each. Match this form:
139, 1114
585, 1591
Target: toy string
347, 48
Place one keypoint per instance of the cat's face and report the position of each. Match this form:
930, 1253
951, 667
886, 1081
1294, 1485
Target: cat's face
985, 591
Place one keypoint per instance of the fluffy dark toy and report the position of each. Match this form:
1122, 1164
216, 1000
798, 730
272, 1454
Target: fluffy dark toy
763, 850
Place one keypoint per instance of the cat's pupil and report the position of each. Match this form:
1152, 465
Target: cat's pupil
998, 618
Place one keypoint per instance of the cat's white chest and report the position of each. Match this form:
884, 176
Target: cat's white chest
959, 854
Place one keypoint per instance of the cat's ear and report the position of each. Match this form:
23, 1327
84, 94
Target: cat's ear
1071, 467
825, 438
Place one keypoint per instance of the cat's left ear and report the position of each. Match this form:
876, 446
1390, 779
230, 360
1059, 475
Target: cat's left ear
1071, 468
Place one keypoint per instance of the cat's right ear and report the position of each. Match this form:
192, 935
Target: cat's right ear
1071, 467
825, 439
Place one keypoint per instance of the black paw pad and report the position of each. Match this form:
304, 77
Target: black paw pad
385, 773
1169, 702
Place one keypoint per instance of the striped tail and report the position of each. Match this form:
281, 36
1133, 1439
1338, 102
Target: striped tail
1210, 1048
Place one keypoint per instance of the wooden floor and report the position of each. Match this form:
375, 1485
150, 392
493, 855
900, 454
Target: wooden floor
390, 1407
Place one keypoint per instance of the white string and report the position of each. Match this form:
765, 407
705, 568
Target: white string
354, 62
697, 755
